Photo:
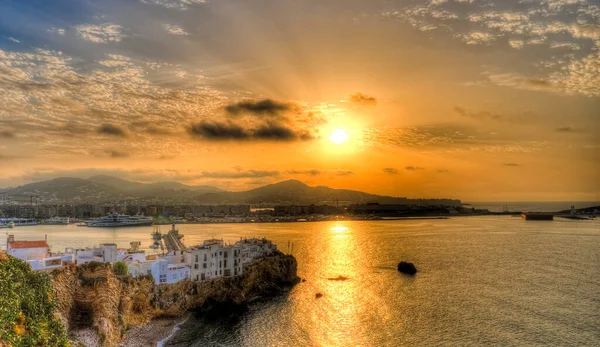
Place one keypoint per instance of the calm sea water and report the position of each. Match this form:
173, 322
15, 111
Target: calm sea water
481, 281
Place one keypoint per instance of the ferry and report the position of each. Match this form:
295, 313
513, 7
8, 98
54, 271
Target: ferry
120, 220
57, 221
6, 224
17, 222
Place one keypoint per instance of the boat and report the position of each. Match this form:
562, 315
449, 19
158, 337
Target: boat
6, 225
15, 222
157, 238
57, 221
121, 220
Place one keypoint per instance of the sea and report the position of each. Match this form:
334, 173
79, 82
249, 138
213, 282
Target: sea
481, 281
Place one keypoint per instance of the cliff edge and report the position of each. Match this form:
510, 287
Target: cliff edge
92, 296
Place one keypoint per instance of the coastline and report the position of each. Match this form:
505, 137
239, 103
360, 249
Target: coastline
155, 333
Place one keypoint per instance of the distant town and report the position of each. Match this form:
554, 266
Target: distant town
166, 214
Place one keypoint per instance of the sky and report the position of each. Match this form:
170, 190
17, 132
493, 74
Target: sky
479, 100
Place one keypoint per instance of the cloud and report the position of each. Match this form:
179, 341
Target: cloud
110, 129
441, 171
565, 130
116, 153
309, 172
486, 115
344, 172
317, 172
511, 164
175, 30
363, 99
239, 174
6, 134
522, 82
174, 4
103, 33
390, 170
261, 107
270, 131
414, 168
218, 131
278, 132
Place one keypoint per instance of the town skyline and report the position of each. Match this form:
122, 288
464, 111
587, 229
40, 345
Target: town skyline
480, 100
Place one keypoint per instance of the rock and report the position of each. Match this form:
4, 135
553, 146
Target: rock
303, 280
407, 268
318, 295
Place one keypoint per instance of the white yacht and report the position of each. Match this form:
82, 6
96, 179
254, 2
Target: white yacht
120, 220
16, 222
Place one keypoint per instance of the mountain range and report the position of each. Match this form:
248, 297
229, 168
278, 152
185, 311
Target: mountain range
108, 189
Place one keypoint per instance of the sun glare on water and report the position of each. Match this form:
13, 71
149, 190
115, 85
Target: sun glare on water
339, 136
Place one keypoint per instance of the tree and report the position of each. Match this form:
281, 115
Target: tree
120, 268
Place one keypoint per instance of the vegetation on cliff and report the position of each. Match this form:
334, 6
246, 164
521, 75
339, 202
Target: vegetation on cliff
27, 307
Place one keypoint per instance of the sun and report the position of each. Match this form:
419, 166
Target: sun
339, 136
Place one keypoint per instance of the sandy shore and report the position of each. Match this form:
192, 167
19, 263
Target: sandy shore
152, 333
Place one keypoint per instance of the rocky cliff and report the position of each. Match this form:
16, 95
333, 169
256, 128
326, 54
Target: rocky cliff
92, 296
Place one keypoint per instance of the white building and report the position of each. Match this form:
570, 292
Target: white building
37, 254
105, 253
160, 269
214, 259
255, 248
27, 250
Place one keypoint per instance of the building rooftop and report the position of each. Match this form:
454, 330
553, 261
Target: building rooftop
28, 244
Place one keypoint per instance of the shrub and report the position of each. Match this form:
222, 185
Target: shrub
27, 307
120, 268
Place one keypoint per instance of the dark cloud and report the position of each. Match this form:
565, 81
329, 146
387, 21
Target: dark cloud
486, 115
565, 130
278, 132
117, 154
219, 131
110, 129
413, 168
310, 172
6, 134
391, 170
270, 131
534, 82
511, 164
238, 174
262, 107
344, 172
360, 98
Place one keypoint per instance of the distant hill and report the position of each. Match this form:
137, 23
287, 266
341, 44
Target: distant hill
298, 193
101, 189
149, 188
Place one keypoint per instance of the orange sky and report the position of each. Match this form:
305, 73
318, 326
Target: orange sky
456, 99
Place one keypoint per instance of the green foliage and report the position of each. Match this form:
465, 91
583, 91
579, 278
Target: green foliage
27, 307
120, 268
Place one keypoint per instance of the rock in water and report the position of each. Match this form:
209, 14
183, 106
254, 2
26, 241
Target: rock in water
407, 268
318, 295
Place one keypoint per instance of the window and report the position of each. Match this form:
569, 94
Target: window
205, 257
201, 276
197, 277
220, 263
204, 266
220, 272
225, 255
225, 263
220, 253
195, 266
196, 258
